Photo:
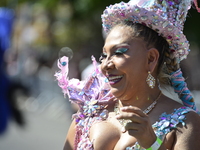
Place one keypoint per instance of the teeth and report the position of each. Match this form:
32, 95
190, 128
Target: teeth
114, 77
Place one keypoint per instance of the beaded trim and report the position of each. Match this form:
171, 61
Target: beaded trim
163, 16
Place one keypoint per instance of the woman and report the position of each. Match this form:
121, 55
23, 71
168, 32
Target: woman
143, 49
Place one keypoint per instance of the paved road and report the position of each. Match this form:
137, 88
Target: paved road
42, 132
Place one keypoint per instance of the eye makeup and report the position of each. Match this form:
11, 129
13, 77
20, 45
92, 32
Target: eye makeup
121, 50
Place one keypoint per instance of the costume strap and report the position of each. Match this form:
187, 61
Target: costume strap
180, 87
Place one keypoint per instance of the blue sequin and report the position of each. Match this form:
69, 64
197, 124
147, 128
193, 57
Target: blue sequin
63, 63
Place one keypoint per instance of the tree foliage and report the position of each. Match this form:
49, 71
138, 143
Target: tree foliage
77, 24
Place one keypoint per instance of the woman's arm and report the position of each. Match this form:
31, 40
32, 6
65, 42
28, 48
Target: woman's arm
69, 143
188, 137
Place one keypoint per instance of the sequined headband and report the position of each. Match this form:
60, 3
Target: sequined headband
166, 17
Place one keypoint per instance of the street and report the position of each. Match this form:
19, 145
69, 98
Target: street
40, 133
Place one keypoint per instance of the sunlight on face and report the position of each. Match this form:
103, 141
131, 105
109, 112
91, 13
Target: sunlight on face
124, 62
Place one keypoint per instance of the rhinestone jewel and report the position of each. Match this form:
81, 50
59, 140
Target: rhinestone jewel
174, 116
169, 29
155, 23
151, 83
91, 108
144, 17
174, 121
155, 20
155, 16
177, 36
181, 117
181, 51
122, 14
171, 3
164, 3
137, 10
169, 37
81, 93
165, 124
63, 63
165, 24
104, 114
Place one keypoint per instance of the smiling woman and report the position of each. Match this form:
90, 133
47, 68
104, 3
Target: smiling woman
121, 104
129, 65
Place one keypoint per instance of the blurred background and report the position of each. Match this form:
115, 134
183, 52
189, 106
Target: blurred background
33, 112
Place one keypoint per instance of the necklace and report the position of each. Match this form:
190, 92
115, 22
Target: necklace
123, 122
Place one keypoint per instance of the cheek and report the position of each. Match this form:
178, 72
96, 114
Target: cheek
124, 65
133, 68
101, 68
120, 64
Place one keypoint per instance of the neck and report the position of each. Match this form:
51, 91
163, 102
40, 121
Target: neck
143, 99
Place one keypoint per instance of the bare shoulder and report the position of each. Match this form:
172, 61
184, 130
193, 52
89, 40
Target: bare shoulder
192, 121
165, 104
188, 136
69, 143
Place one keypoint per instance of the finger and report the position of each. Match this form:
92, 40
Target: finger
133, 109
134, 127
130, 116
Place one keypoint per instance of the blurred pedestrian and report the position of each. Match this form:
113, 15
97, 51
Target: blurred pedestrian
8, 105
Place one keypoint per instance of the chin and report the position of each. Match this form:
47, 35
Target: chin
118, 93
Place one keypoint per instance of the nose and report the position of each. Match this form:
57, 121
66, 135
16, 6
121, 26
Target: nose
107, 64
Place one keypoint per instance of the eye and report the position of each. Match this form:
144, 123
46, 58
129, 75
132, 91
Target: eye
120, 51
102, 56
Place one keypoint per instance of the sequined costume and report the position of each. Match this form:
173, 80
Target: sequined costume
166, 123
92, 97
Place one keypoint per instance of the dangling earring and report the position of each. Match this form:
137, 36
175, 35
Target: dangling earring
150, 80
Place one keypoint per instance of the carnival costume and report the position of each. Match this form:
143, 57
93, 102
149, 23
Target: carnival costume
92, 95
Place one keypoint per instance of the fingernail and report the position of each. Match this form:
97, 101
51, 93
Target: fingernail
117, 116
123, 108
123, 129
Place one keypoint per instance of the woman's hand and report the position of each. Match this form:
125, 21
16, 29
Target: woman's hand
139, 125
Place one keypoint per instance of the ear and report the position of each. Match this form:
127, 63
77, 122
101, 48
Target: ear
153, 56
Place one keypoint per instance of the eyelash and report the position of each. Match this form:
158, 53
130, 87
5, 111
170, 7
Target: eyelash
118, 52
102, 56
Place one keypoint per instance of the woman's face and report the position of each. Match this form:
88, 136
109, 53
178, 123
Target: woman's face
124, 63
